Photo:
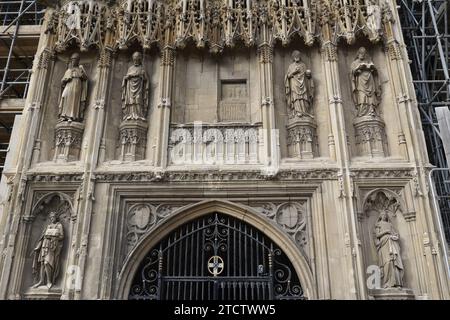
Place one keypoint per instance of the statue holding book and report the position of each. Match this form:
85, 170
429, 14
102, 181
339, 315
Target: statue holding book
365, 85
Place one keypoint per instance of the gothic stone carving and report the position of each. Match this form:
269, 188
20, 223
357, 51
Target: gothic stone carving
133, 129
365, 85
388, 248
220, 175
135, 88
70, 127
133, 139
217, 24
299, 89
49, 219
142, 218
302, 139
46, 262
386, 238
68, 137
74, 91
301, 127
371, 138
291, 217
373, 22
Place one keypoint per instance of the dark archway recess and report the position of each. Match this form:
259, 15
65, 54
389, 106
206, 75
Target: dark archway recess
216, 257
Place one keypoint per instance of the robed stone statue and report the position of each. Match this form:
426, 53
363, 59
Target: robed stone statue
46, 260
373, 19
74, 85
299, 88
365, 85
388, 249
135, 88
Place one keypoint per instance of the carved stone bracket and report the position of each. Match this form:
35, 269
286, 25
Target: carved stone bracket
302, 139
68, 137
133, 139
371, 140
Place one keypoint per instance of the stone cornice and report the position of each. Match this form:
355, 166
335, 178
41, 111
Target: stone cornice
213, 24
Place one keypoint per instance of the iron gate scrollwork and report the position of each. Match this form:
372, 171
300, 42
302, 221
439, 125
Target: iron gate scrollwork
216, 257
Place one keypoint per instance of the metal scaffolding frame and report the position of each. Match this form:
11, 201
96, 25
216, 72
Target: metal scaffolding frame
425, 26
16, 66
15, 61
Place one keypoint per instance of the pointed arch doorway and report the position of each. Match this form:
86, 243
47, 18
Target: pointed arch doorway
216, 257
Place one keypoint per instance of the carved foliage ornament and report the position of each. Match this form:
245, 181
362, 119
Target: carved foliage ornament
214, 23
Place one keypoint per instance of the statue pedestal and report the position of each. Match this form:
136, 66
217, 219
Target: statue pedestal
371, 140
133, 140
42, 293
68, 137
302, 138
392, 294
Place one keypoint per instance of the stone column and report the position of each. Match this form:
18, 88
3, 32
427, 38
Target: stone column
162, 115
338, 143
270, 137
77, 256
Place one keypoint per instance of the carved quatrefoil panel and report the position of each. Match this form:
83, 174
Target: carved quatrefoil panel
143, 217
291, 217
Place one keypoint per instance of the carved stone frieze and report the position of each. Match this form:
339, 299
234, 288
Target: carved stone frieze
401, 173
216, 175
54, 178
216, 24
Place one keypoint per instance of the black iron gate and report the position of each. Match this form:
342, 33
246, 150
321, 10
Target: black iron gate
216, 257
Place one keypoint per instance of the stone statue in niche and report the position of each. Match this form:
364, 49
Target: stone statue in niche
74, 86
301, 127
299, 88
47, 252
135, 87
365, 85
374, 20
388, 248
370, 134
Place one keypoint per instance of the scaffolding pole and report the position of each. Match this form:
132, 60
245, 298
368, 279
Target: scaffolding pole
425, 26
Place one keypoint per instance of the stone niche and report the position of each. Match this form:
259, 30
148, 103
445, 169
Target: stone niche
35, 225
116, 130
62, 142
320, 125
390, 202
370, 138
216, 89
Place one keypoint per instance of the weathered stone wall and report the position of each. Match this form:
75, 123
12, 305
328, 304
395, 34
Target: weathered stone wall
319, 197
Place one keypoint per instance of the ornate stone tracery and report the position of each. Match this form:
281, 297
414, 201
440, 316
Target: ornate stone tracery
214, 23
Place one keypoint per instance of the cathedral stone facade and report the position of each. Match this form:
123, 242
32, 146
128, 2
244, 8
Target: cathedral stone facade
220, 149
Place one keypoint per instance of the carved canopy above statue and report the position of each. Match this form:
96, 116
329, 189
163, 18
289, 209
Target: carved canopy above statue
215, 24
